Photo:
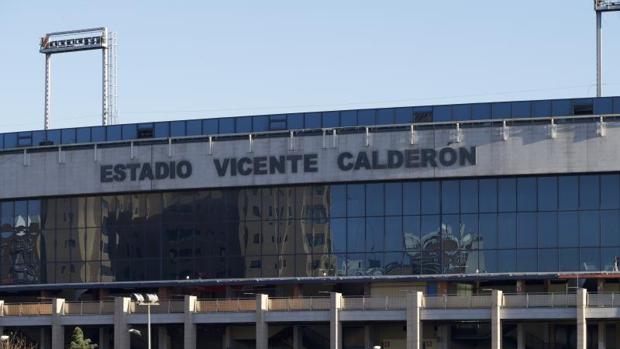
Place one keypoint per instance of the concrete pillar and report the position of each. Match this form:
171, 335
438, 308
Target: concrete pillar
44, 338
163, 339
335, 327
582, 330
444, 336
104, 338
58, 332
227, 338
602, 339
520, 336
262, 329
189, 327
496, 319
520, 286
121, 328
414, 325
297, 340
367, 341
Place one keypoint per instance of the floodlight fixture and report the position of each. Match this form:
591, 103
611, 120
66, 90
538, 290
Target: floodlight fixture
147, 299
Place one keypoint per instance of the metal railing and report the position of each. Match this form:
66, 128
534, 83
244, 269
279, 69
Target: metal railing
89, 308
27, 309
374, 303
540, 300
456, 302
299, 304
169, 306
226, 305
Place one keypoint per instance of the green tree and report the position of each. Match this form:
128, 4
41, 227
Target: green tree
79, 342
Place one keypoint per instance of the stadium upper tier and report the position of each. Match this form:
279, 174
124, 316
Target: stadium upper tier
313, 120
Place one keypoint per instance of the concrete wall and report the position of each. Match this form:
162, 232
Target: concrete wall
528, 150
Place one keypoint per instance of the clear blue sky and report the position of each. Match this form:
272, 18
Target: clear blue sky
189, 59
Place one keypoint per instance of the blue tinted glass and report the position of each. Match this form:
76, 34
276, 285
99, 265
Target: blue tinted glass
501, 110
39, 138
348, 118
568, 192
561, 107
375, 234
194, 127
450, 196
461, 112
374, 199
609, 258
610, 191
469, 196
97, 133
488, 230
541, 108
130, 131
568, 229
589, 228
481, 111
209, 127
450, 230
52, 136
24, 139
507, 194
590, 259
610, 228
339, 235
403, 115
313, 120
83, 135
227, 125
411, 198
603, 105
526, 194
616, 105
547, 193
526, 260
547, 226
520, 109
244, 124
569, 259
548, 260
68, 136
430, 197
385, 116
507, 230
366, 117
338, 200
468, 230
411, 233
588, 192
429, 229
355, 234
113, 133
442, 113
506, 261
355, 200
10, 140
162, 130
261, 123
394, 238
2, 141
177, 128
393, 198
488, 261
331, 119
526, 230
488, 195
295, 121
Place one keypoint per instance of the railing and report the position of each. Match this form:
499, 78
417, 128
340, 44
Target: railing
27, 309
606, 300
297, 304
541, 300
89, 308
374, 303
164, 307
226, 305
456, 302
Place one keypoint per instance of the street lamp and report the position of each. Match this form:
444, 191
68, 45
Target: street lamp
4, 339
147, 299
601, 6
136, 332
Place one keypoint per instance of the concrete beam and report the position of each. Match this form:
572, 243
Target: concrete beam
414, 325
189, 327
121, 328
335, 326
262, 329
58, 332
582, 330
496, 319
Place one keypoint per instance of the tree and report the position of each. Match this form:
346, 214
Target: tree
79, 342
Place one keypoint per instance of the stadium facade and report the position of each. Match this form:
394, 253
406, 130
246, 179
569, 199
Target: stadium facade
453, 226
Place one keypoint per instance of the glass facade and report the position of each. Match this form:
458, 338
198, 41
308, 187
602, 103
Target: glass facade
503, 224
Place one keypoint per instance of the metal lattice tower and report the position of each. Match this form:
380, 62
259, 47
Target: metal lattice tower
112, 70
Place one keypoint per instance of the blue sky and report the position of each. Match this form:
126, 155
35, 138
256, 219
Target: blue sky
190, 59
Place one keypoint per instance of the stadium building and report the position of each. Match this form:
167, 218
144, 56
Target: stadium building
486, 225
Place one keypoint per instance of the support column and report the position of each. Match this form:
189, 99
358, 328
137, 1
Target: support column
602, 339
104, 338
189, 327
44, 338
163, 339
58, 333
496, 319
335, 327
444, 336
367, 342
121, 328
227, 338
520, 336
297, 340
262, 329
582, 330
414, 325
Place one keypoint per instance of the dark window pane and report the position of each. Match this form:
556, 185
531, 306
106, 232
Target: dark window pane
331, 119
339, 236
366, 117
488, 230
52, 136
547, 193
547, 260
130, 131
488, 195
39, 138
68, 136
411, 234
261, 124
568, 229
561, 107
385, 116
393, 199
589, 229
610, 258
461, 112
547, 229
526, 194
113, 132
97, 134
468, 234
375, 239
227, 125
469, 196
488, 261
394, 236
541, 108
83, 135
526, 230
295, 121
411, 198
442, 113
501, 111
313, 120
374, 199
450, 196
603, 106
403, 115
610, 228
568, 192
481, 111
162, 130
430, 197
348, 118
506, 261
526, 260
507, 194
569, 259
244, 124
429, 230
590, 259
355, 234
520, 109
507, 230
610, 191
355, 200
209, 126
589, 192
338, 200
10, 140
193, 127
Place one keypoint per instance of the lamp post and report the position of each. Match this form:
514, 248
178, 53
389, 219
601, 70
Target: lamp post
601, 6
4, 340
147, 299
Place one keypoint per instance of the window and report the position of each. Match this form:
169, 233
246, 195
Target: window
430, 197
507, 194
526, 194
568, 192
450, 196
588, 192
469, 196
547, 193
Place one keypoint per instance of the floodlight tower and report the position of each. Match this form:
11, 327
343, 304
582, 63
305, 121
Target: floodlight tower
601, 6
84, 40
